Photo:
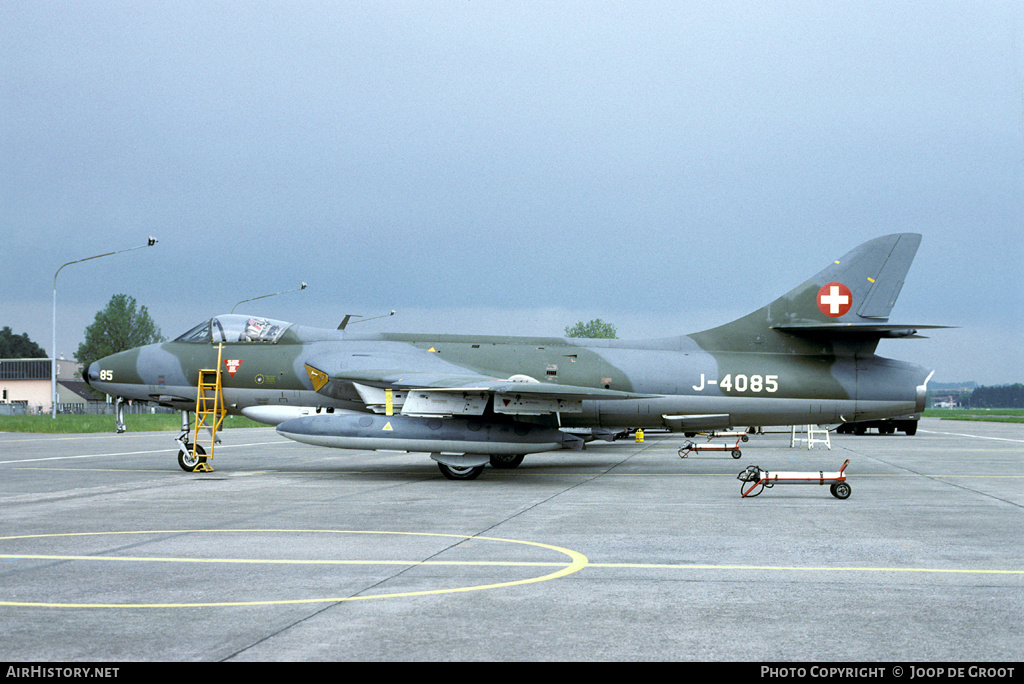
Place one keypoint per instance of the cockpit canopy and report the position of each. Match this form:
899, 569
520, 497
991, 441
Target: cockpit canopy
235, 328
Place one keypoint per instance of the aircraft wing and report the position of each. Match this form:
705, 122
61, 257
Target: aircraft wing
444, 395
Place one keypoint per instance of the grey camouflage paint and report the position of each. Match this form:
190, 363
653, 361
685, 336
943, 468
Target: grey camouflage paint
786, 363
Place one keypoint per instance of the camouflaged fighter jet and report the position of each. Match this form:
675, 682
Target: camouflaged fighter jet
806, 358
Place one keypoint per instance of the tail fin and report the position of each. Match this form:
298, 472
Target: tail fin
850, 300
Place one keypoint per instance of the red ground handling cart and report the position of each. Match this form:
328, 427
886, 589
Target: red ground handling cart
734, 449
755, 480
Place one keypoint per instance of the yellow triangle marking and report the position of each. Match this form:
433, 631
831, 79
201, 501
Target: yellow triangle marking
318, 378
387, 427
432, 350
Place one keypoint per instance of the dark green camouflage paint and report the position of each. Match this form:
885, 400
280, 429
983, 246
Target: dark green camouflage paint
785, 363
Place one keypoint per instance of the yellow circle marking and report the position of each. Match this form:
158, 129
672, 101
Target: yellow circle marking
578, 562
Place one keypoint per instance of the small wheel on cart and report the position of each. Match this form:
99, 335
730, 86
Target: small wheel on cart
187, 461
840, 490
745, 438
736, 453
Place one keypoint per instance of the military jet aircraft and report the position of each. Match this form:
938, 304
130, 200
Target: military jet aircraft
808, 357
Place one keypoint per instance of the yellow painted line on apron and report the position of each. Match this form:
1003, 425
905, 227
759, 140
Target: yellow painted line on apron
578, 562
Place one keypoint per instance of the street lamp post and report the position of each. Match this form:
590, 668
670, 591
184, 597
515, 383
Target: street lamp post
53, 349
274, 294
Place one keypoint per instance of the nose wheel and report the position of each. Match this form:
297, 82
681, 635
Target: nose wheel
191, 460
190, 463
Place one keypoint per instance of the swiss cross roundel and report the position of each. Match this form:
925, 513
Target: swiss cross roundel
835, 300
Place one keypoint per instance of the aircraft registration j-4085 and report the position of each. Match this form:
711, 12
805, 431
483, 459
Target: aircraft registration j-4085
806, 358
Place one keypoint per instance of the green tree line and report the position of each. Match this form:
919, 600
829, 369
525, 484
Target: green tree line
18, 346
120, 325
1000, 396
595, 328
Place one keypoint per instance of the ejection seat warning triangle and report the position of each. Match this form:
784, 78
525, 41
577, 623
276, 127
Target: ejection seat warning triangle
387, 427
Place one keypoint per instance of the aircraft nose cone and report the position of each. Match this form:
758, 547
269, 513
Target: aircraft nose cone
91, 374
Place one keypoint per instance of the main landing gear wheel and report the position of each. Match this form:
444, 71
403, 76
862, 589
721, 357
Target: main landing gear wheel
840, 490
506, 461
460, 472
187, 461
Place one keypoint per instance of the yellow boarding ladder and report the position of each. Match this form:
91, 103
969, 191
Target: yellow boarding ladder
210, 410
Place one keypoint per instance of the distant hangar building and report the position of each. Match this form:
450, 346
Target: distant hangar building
25, 387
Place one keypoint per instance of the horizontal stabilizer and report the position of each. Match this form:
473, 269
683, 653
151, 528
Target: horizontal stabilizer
849, 330
848, 301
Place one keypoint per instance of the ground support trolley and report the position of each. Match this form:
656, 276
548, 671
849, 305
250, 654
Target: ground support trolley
691, 447
755, 480
743, 436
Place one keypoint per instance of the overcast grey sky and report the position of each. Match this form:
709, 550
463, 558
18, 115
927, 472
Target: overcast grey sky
512, 167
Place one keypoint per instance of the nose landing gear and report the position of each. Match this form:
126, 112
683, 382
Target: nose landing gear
191, 457
193, 463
